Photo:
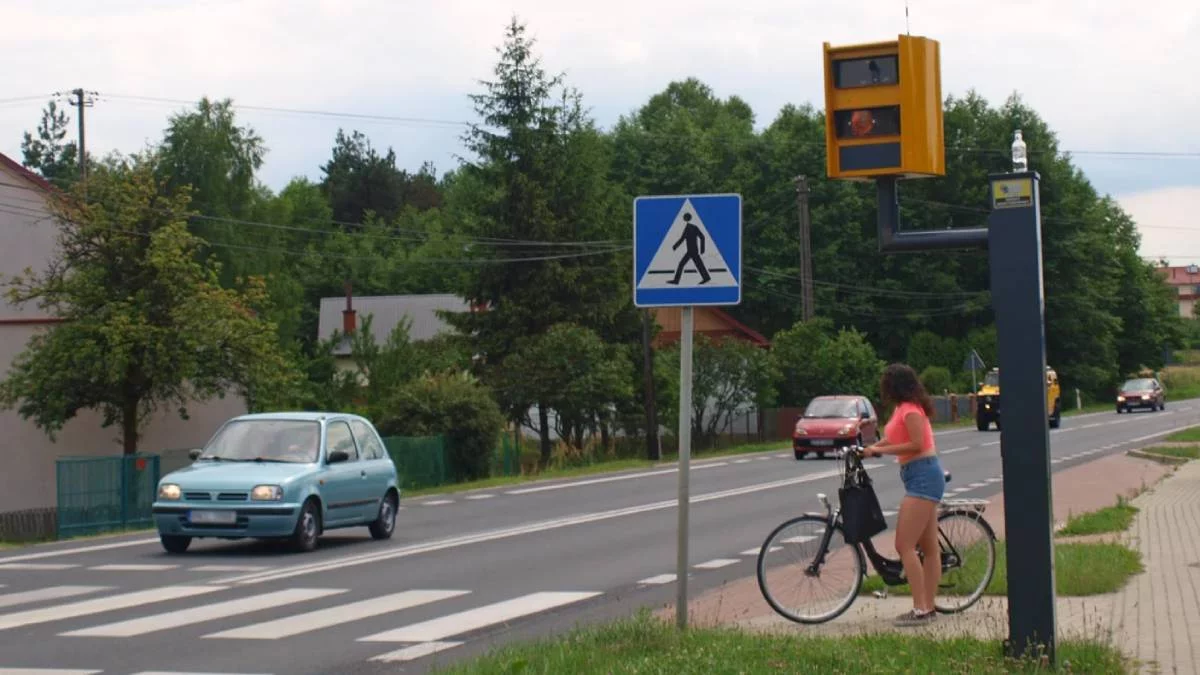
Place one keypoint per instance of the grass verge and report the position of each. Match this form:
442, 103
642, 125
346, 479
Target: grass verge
1186, 452
647, 646
608, 466
1091, 568
1186, 436
1108, 519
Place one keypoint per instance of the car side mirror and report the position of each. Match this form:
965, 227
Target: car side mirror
865, 415
194, 454
338, 456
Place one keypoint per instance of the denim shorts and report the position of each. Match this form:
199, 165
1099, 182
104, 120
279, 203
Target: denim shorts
923, 478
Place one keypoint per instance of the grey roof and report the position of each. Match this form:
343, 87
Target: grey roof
386, 311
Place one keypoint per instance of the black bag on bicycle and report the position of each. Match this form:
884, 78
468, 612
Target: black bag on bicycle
862, 517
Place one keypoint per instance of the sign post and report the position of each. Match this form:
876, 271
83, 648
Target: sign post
687, 251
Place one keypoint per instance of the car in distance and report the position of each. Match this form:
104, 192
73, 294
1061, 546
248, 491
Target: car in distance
832, 423
1143, 392
288, 476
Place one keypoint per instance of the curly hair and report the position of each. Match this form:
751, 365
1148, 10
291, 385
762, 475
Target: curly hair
900, 384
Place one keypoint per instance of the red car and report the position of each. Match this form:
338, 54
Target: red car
831, 423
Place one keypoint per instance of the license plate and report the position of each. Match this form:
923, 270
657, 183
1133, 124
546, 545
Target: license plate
213, 517
822, 441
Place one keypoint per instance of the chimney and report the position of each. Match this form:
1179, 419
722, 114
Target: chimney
349, 322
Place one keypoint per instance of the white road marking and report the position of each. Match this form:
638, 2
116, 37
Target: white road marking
229, 568
978, 485
105, 604
954, 450
756, 551
480, 617
993, 480
960, 490
763, 459
332, 616
889, 513
741, 461
988, 445
782, 455
47, 671
438, 502
185, 673
415, 652
37, 567
218, 610
52, 593
529, 528
488, 496
133, 568
798, 539
610, 479
716, 564
1164, 432
657, 580
75, 551
1057, 461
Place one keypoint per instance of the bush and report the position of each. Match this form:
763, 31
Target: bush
936, 380
455, 406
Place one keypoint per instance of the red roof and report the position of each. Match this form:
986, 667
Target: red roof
25, 173
1181, 275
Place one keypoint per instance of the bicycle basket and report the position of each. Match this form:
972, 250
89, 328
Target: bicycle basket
862, 516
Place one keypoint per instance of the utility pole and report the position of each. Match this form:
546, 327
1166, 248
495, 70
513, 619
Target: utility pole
83, 99
806, 279
653, 450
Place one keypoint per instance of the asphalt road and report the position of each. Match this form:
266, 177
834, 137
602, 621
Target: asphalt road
464, 572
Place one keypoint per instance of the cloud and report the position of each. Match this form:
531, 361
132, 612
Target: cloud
1106, 74
1169, 222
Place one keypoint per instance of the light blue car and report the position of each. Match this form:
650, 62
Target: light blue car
281, 475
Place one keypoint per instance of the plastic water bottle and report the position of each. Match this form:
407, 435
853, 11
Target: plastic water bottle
1019, 161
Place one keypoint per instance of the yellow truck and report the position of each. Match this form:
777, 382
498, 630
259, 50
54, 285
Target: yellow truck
987, 401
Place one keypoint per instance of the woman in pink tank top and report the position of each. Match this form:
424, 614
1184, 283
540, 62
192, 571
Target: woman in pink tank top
909, 436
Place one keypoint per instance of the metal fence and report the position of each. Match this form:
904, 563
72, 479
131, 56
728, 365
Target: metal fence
103, 494
420, 460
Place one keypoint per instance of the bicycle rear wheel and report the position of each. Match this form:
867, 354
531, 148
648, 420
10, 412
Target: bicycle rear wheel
968, 548
798, 586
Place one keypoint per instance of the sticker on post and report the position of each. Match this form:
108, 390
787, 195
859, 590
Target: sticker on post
1012, 194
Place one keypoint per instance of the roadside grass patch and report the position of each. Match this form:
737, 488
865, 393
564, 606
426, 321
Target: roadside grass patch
1080, 568
644, 645
1108, 519
1186, 452
1186, 436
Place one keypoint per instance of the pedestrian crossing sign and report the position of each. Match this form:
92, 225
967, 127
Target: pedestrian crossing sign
687, 250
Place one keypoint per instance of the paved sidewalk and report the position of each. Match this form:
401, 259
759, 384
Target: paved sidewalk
1151, 619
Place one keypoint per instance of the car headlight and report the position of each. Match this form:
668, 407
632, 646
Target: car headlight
801, 431
1120, 399
1145, 397
845, 430
169, 492
266, 493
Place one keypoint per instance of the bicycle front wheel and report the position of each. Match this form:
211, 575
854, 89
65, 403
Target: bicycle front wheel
968, 548
804, 583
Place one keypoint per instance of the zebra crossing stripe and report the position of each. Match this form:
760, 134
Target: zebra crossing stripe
51, 593
414, 652
480, 617
47, 671
106, 604
332, 616
219, 610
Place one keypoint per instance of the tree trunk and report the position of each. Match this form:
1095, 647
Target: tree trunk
129, 427
544, 433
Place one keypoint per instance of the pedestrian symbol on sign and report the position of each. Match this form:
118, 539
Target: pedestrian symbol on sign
691, 235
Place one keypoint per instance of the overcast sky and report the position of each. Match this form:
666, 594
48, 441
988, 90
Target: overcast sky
1110, 76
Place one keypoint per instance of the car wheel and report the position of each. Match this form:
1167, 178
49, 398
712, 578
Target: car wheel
308, 528
800, 454
173, 543
820, 455
385, 524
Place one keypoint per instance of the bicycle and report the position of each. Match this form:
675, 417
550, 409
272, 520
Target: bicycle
958, 557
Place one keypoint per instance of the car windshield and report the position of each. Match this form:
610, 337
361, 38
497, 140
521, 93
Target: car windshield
992, 379
830, 409
294, 441
1138, 385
